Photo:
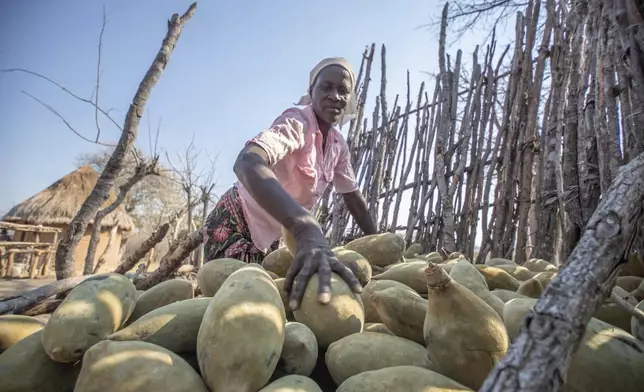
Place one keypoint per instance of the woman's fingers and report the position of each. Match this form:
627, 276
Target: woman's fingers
300, 283
324, 280
347, 275
291, 273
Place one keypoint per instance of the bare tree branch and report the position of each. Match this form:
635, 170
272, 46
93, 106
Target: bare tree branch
76, 229
98, 77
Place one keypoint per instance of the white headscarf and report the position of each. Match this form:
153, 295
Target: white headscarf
351, 111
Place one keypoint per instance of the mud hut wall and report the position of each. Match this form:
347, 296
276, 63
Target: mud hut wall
81, 250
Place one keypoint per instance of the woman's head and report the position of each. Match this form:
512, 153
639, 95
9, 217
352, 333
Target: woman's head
331, 90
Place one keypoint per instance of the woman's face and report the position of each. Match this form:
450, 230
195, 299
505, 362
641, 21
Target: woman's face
330, 93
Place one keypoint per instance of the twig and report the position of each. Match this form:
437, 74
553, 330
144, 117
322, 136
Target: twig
88, 101
51, 109
638, 314
98, 77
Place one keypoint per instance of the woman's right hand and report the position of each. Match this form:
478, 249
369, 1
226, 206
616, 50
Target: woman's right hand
312, 255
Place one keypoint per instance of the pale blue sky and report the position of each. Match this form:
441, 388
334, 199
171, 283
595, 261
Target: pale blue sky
236, 67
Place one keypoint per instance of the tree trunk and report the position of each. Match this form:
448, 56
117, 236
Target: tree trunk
110, 245
16, 304
538, 359
142, 170
76, 229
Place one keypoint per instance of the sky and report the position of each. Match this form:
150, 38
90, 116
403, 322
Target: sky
236, 67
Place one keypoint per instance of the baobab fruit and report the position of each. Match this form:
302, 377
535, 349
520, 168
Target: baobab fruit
371, 315
545, 277
15, 327
279, 283
607, 359
377, 327
530, 288
638, 293
434, 257
380, 249
213, 274
25, 366
518, 272
467, 275
410, 274
514, 313
358, 264
341, 316
506, 295
94, 309
164, 293
135, 367
401, 311
292, 383
364, 351
634, 266
401, 379
629, 283
242, 333
173, 326
465, 337
278, 261
497, 278
299, 353
496, 261
615, 315
539, 265
412, 251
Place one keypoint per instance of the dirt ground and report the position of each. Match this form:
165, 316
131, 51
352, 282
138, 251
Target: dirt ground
11, 287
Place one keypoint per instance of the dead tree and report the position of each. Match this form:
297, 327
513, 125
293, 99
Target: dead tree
143, 169
76, 229
197, 186
148, 245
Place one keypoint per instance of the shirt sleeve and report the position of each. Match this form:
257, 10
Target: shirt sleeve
344, 179
285, 135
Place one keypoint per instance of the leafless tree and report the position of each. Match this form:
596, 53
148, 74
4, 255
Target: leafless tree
197, 184
129, 131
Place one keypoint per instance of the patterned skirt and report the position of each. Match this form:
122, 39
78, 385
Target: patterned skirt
226, 233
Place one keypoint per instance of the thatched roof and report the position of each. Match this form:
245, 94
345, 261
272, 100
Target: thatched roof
59, 203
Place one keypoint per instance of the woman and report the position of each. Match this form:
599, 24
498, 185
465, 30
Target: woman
282, 172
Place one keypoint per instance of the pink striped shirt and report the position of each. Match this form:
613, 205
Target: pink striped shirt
293, 144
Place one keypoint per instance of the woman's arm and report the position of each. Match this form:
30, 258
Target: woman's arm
313, 254
357, 206
253, 172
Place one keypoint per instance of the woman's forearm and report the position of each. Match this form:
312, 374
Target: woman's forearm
259, 180
357, 207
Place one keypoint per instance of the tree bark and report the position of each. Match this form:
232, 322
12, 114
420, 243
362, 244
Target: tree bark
110, 245
100, 193
171, 261
538, 360
142, 170
157, 236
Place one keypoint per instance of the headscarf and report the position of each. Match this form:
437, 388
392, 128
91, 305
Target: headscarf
351, 110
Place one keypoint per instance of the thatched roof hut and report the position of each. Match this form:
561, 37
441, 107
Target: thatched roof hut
59, 203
